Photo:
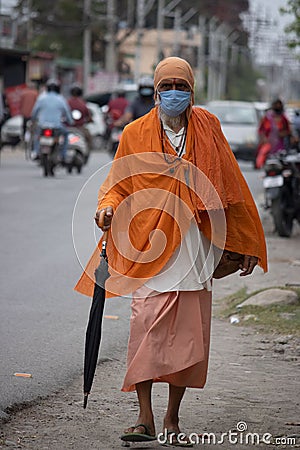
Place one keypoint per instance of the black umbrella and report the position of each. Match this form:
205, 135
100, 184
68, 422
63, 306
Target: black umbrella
93, 331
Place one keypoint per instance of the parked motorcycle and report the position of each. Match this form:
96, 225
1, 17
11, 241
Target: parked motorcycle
49, 149
282, 190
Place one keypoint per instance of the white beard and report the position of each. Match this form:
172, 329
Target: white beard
174, 123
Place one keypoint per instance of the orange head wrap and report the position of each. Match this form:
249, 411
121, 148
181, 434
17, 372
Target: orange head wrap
174, 67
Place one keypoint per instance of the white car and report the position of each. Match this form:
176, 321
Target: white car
12, 131
239, 122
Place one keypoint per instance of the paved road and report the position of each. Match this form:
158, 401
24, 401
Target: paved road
42, 319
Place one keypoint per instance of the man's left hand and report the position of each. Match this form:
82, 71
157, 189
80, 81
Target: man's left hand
248, 265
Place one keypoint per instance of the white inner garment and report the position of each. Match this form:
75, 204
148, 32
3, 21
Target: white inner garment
174, 137
191, 266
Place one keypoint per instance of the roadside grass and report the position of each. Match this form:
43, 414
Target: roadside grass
280, 318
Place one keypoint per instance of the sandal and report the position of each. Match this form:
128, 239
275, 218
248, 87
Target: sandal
138, 437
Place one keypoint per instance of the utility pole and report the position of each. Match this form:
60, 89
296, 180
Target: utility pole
28, 25
160, 27
177, 30
130, 13
211, 58
181, 20
219, 40
110, 54
201, 63
86, 44
226, 43
163, 11
140, 33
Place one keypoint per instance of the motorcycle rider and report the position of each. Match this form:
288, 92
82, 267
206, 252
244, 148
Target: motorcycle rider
117, 105
76, 103
51, 110
274, 133
141, 105
296, 125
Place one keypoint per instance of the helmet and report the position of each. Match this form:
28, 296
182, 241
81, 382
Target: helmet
277, 106
146, 82
146, 86
120, 92
76, 90
53, 85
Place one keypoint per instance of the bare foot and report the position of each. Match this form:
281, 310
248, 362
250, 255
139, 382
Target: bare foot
129, 430
171, 425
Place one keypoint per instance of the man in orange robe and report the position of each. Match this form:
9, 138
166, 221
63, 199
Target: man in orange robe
173, 200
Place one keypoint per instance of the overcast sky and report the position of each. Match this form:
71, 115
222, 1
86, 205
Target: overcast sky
270, 8
6, 5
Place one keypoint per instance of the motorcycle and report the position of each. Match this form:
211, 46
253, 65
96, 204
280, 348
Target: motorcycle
282, 190
113, 132
77, 151
49, 140
114, 139
79, 140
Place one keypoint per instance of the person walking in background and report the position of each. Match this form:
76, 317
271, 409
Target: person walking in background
28, 98
173, 177
274, 132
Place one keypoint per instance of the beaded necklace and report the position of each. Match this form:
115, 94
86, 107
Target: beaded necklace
179, 148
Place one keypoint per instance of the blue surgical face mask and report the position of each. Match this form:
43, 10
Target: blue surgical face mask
174, 102
146, 91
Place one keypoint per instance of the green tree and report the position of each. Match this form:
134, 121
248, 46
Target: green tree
293, 8
58, 25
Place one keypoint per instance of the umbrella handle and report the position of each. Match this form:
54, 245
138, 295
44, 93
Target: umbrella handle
104, 243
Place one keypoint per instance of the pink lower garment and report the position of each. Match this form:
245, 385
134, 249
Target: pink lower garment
169, 338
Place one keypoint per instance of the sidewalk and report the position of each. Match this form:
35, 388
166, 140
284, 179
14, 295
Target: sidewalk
253, 378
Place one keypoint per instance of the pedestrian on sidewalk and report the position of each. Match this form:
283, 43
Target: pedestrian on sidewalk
173, 200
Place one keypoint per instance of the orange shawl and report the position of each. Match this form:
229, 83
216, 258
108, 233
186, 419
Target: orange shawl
155, 195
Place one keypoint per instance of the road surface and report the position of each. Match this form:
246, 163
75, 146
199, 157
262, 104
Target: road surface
46, 231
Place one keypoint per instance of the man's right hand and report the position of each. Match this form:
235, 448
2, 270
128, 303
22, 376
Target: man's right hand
103, 218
